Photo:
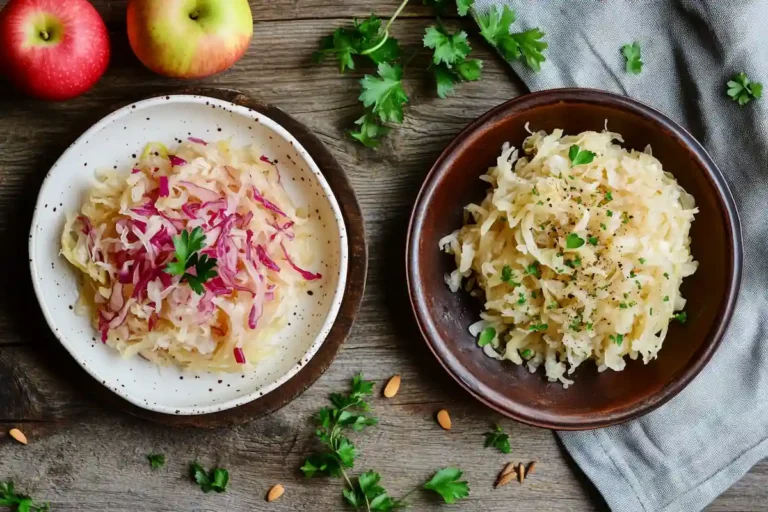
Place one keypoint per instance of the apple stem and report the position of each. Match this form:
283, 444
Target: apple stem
45, 35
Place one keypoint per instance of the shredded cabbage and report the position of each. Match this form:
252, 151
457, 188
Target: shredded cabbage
122, 240
575, 262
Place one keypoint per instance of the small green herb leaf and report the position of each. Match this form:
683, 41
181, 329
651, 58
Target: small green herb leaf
449, 49
533, 270
592, 240
681, 317
579, 156
742, 90
214, 480
527, 353
617, 339
498, 439
446, 483
463, 6
631, 52
384, 93
156, 460
573, 241
370, 130
495, 26
486, 336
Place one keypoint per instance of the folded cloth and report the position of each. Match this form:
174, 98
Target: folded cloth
681, 456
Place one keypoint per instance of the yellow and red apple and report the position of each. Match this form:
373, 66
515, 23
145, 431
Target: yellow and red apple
189, 38
53, 49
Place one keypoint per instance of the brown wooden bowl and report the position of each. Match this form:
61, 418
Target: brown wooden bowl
595, 399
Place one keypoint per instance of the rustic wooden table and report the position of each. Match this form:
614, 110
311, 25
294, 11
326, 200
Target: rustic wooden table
85, 455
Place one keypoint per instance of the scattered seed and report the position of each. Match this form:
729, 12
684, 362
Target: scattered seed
443, 419
392, 387
521, 472
531, 468
275, 492
507, 475
18, 435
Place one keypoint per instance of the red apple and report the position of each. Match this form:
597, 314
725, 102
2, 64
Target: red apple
53, 49
189, 38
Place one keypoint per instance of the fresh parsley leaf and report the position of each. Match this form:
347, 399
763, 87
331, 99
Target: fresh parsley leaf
187, 244
22, 503
742, 90
367, 493
531, 46
463, 6
525, 354
579, 156
573, 241
446, 483
681, 317
618, 339
486, 336
214, 480
609, 213
321, 463
506, 273
445, 79
469, 70
495, 28
342, 44
592, 240
370, 130
498, 439
204, 270
364, 38
631, 52
521, 298
608, 196
533, 270
449, 49
156, 460
385, 93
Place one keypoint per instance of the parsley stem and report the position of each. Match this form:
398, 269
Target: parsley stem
352, 487
377, 45
397, 13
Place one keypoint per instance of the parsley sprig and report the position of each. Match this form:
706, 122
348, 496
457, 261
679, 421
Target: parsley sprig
742, 90
18, 502
213, 480
156, 460
187, 245
352, 411
368, 42
498, 439
631, 53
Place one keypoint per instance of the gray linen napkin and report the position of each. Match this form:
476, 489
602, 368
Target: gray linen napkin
680, 457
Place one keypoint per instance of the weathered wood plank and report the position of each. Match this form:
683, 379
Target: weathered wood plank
113, 11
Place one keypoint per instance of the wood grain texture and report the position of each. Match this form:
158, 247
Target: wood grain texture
87, 456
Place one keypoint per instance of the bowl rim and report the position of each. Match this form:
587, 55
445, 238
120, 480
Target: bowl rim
339, 290
519, 105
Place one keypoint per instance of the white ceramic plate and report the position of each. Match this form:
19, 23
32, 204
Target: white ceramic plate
115, 141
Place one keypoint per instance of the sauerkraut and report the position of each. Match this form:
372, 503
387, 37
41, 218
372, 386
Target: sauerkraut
577, 251
128, 234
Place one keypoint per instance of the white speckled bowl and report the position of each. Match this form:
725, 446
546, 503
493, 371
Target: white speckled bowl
115, 141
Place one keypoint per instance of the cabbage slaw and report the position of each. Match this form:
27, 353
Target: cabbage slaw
123, 239
575, 262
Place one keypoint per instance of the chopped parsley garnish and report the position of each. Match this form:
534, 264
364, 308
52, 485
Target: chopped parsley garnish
187, 245
592, 240
534, 294
214, 480
552, 305
625, 218
156, 460
589, 326
533, 270
576, 262
576, 324
642, 261
526, 353
609, 213
534, 191
579, 156
538, 327
521, 299
486, 336
618, 339
506, 273
573, 241
681, 317
19, 502
666, 298
742, 90
498, 439
623, 305
631, 52
540, 203
608, 197
603, 226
